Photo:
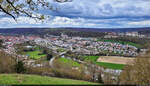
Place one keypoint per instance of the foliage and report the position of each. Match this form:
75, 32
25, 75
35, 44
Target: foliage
49, 56
65, 70
1, 41
137, 73
46, 70
19, 67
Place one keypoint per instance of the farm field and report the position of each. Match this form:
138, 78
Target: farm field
21, 79
35, 54
69, 62
104, 64
111, 65
115, 59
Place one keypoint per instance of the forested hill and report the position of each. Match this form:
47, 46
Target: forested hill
84, 32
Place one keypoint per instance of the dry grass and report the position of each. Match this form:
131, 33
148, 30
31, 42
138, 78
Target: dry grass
115, 59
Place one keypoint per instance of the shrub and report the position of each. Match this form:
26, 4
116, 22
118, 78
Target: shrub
19, 67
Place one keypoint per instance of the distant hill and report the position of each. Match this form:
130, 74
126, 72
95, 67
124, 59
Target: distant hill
21, 79
57, 31
112, 29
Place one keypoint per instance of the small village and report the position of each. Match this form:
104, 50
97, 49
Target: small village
79, 45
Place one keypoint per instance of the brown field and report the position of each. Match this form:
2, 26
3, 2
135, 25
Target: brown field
115, 59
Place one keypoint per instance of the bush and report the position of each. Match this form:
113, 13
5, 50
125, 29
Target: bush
49, 56
40, 71
19, 67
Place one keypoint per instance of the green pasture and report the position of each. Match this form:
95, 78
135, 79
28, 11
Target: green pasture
69, 61
111, 65
24, 79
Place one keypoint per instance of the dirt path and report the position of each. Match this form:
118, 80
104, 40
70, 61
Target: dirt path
115, 59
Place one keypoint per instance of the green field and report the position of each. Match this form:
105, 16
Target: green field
104, 64
34, 54
20, 79
111, 65
121, 42
91, 58
69, 61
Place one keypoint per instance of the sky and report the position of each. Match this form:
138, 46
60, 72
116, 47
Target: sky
88, 14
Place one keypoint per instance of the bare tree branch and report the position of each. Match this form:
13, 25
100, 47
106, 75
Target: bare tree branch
7, 12
22, 11
14, 10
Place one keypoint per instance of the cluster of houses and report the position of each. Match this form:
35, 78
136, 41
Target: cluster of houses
117, 48
85, 45
123, 34
79, 45
10, 41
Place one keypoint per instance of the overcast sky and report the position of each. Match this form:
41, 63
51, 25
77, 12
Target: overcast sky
89, 13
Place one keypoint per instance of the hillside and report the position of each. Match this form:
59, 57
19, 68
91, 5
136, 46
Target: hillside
21, 79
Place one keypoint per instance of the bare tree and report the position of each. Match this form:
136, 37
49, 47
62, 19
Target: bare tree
138, 72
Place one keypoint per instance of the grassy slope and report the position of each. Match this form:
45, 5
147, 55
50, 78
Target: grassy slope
104, 64
69, 61
10, 79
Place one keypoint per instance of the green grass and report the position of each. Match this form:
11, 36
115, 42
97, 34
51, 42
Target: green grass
69, 61
91, 58
111, 65
104, 64
21, 79
35, 54
121, 42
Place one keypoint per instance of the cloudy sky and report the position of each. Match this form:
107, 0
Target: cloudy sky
89, 13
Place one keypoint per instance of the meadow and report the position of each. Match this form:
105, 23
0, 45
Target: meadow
35, 54
23, 79
69, 62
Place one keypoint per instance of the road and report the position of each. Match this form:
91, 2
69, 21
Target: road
51, 61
